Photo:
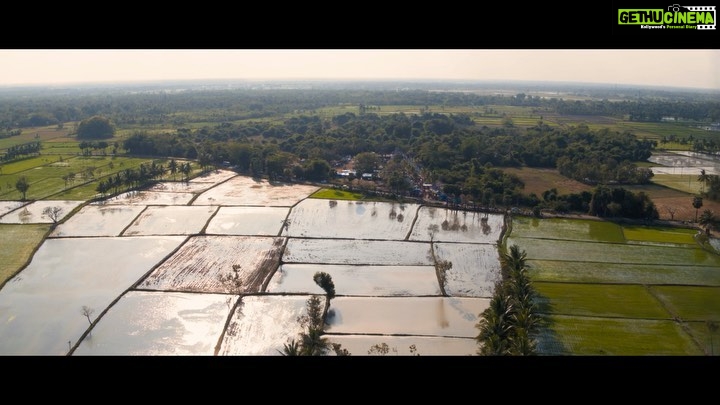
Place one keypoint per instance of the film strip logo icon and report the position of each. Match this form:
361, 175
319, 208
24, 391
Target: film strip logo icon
705, 9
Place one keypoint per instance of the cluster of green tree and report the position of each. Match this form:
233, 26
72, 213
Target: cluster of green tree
510, 324
88, 147
95, 127
471, 185
144, 175
129, 106
696, 145
603, 201
7, 133
444, 144
619, 202
22, 150
705, 145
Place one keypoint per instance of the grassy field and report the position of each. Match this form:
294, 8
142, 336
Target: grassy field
18, 245
333, 194
42, 134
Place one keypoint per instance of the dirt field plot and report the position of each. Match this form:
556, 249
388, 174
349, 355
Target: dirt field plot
203, 261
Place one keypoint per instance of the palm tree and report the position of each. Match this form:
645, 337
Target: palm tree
495, 327
313, 343
697, 204
707, 220
703, 178
291, 349
509, 324
521, 344
173, 166
186, 169
513, 261
324, 280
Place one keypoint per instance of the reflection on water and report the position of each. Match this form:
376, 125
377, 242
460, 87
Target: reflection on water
685, 163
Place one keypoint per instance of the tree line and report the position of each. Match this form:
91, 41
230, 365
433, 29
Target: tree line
165, 105
447, 148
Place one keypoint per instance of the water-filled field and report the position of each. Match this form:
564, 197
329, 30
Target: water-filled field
224, 265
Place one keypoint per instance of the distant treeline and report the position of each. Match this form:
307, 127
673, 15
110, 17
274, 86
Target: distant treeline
18, 110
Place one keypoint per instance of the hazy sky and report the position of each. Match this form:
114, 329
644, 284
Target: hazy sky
682, 68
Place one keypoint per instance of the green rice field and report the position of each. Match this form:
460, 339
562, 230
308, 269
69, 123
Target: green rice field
599, 336
47, 175
615, 289
333, 194
671, 235
613, 273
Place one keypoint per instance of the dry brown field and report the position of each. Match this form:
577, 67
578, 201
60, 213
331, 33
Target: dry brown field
538, 180
666, 199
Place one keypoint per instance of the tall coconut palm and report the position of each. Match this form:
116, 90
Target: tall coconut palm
521, 343
313, 343
707, 220
495, 327
512, 261
291, 349
173, 167
324, 281
703, 178
697, 204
